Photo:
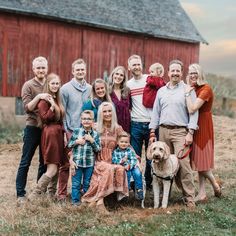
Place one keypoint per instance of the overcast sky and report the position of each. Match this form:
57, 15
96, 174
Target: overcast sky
216, 21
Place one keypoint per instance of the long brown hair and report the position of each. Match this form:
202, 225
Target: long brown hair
59, 109
124, 89
106, 98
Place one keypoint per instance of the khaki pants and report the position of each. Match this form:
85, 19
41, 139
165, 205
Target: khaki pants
175, 139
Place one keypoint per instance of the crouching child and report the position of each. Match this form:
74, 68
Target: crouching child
124, 155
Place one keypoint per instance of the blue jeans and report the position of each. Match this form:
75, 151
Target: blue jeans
137, 176
139, 134
31, 139
86, 173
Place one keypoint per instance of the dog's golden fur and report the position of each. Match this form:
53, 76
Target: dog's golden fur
163, 165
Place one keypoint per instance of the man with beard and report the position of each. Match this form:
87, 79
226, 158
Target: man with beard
32, 92
73, 94
140, 115
176, 125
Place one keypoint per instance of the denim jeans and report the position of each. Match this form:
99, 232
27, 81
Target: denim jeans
86, 173
139, 134
31, 139
137, 176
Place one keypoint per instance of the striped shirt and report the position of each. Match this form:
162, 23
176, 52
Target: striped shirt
118, 154
84, 155
139, 112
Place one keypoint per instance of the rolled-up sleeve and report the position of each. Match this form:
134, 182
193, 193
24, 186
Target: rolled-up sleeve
155, 117
193, 118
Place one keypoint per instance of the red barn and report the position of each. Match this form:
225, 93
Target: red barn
103, 32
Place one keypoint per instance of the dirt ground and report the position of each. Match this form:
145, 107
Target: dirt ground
225, 149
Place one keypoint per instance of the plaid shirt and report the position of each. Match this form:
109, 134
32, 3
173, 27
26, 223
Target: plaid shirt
84, 155
118, 154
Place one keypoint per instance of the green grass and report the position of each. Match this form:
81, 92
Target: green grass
217, 217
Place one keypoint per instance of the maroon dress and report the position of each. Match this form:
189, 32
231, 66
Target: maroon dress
122, 111
52, 139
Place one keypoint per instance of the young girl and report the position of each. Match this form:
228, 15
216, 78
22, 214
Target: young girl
51, 113
154, 82
120, 96
99, 94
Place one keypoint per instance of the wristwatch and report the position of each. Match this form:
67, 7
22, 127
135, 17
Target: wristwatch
187, 94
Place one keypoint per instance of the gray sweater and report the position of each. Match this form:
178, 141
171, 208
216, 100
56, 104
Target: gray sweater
73, 96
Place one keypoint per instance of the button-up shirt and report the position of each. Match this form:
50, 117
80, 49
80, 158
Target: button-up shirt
118, 154
84, 155
170, 108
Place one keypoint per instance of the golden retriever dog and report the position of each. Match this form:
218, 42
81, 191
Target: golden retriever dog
164, 168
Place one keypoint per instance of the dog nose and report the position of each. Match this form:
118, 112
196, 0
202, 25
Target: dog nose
157, 157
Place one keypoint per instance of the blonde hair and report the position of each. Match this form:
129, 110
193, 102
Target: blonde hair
78, 61
100, 119
134, 57
176, 61
157, 66
59, 109
88, 112
93, 92
123, 135
201, 76
39, 60
124, 89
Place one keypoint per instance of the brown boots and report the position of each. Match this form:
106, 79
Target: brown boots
52, 186
40, 188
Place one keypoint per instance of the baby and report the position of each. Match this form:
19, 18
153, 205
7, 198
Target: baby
154, 82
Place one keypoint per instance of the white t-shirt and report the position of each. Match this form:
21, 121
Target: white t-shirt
139, 112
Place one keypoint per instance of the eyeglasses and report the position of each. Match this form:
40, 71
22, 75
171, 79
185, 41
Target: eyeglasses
193, 73
184, 152
86, 119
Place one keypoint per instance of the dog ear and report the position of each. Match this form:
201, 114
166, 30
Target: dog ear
149, 152
167, 151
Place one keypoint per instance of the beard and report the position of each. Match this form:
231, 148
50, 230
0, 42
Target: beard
40, 76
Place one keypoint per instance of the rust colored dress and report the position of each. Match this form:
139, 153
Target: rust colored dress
107, 178
202, 155
52, 139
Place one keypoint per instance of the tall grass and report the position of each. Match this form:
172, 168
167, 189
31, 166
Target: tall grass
223, 88
10, 131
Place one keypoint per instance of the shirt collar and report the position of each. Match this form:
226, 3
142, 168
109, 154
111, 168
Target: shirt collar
86, 132
176, 86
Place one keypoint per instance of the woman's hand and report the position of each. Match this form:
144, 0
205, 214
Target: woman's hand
188, 89
51, 101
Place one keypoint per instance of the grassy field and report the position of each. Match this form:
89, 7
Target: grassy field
216, 217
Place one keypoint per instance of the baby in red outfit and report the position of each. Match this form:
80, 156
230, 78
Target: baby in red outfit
154, 82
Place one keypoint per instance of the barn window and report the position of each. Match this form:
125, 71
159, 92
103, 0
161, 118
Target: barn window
19, 106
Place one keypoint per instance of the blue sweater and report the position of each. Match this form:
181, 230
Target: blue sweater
73, 96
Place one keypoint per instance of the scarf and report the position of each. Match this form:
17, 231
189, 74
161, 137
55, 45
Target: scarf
79, 86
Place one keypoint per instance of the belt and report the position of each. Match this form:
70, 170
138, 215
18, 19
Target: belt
173, 126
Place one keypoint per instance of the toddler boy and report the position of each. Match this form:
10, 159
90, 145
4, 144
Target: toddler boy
126, 156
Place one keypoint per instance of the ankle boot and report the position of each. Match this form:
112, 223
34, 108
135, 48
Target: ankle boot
40, 188
52, 186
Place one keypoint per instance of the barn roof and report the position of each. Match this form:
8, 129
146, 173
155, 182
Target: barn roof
157, 18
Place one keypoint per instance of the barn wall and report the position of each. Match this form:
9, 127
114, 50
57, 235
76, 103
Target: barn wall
23, 38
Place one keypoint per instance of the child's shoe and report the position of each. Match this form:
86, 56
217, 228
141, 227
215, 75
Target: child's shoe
139, 194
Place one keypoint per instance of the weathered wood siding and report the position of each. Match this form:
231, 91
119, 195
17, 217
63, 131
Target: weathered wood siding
23, 38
